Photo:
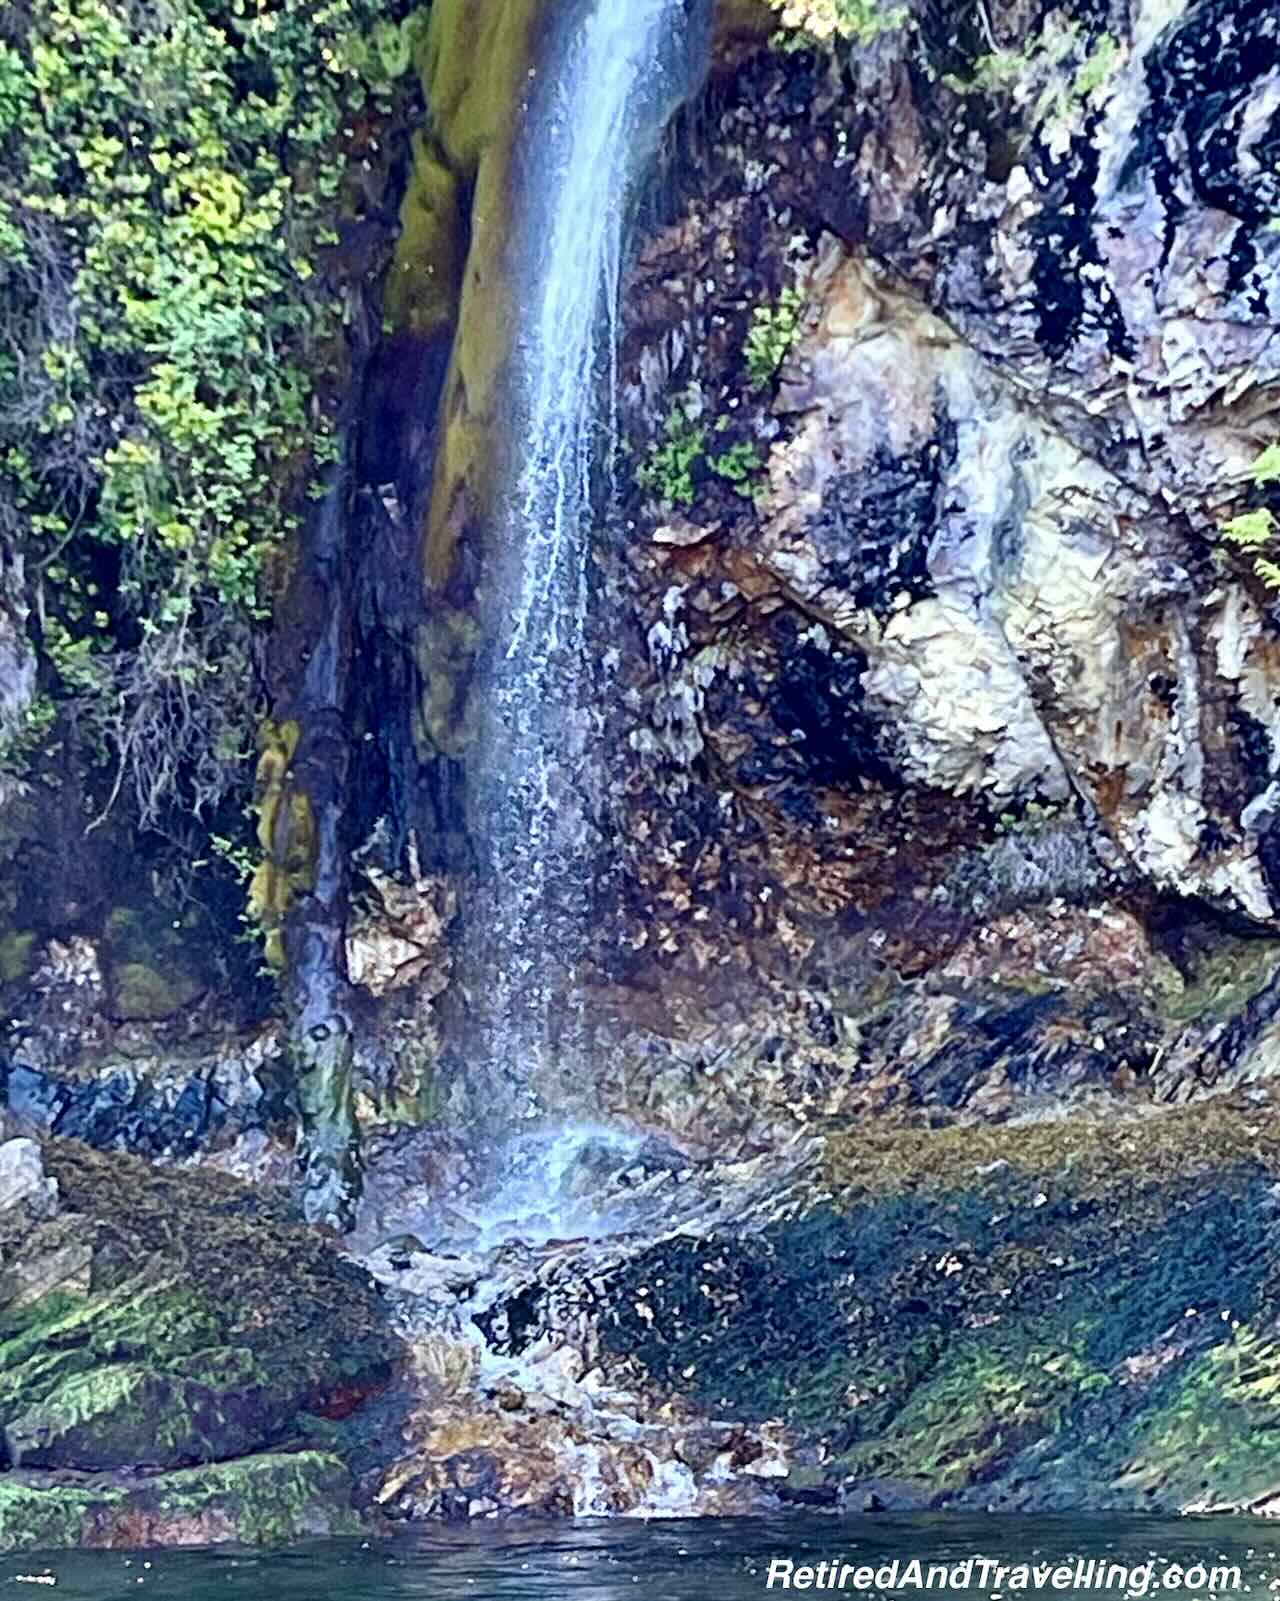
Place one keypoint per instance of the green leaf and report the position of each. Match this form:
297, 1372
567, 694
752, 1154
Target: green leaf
1266, 469
1250, 528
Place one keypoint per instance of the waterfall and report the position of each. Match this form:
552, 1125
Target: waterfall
615, 72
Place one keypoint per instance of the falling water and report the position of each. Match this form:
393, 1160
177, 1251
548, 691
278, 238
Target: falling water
617, 71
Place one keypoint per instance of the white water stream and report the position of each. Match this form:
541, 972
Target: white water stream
544, 1199
615, 72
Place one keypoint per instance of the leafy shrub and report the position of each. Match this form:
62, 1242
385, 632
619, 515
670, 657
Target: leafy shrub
772, 333
167, 174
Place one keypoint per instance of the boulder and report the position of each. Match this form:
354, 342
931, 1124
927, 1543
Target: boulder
264, 1499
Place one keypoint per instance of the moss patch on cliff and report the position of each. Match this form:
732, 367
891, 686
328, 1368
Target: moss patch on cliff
1039, 1315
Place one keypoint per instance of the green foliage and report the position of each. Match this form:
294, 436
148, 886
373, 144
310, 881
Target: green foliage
29, 737
1097, 67
1250, 529
1266, 468
773, 331
739, 465
668, 469
1033, 817
825, 20
386, 52
1031, 70
991, 73
1254, 530
166, 175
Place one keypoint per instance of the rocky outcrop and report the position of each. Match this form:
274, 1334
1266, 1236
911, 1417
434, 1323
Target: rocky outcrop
1056, 1315
941, 380
164, 1341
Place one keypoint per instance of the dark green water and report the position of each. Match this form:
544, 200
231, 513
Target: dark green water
704, 1561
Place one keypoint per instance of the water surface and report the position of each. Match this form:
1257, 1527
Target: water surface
723, 1560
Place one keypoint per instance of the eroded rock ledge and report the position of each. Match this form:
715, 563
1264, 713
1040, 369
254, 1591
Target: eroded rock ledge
171, 1346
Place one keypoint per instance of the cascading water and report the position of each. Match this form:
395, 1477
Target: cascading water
615, 73
505, 1214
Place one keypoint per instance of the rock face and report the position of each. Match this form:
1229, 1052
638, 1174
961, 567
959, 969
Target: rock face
941, 381
169, 1335
937, 951
1037, 1318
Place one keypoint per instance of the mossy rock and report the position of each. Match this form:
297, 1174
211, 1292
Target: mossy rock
125, 1415
156, 969
1224, 982
46, 1518
1039, 1317
18, 951
143, 995
243, 1261
270, 1498
214, 1321
56, 1343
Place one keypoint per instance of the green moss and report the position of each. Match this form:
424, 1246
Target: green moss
217, 1322
124, 1414
46, 1519
267, 1499
271, 1498
1019, 1316
1097, 1157
1215, 1424
1224, 982
969, 1414
18, 951
140, 1321
421, 294
141, 994
255, 1276
154, 966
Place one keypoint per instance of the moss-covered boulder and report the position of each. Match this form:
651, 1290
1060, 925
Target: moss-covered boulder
208, 1329
130, 1413
1044, 1316
260, 1499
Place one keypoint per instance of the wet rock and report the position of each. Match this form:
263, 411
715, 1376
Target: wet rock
207, 1327
883, 1495
397, 937
175, 1105
129, 1415
1042, 1317
256, 1500
42, 1250
23, 1181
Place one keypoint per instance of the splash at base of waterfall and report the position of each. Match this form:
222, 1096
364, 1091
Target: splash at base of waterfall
520, 1407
